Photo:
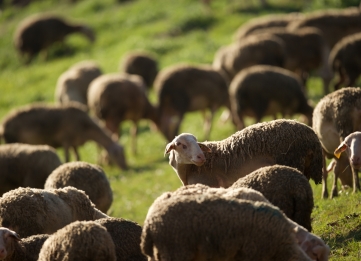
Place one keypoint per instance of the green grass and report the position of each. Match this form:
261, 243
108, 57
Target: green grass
174, 31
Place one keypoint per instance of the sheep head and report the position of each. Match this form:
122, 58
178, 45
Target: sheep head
116, 153
7, 237
352, 146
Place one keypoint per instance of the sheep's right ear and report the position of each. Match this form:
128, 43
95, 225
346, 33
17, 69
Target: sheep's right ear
168, 148
14, 235
341, 148
204, 147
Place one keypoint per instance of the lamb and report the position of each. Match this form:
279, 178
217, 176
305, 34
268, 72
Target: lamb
221, 163
142, 64
24, 165
126, 237
67, 126
30, 211
345, 60
185, 88
209, 227
73, 84
253, 50
84, 176
38, 32
14, 248
115, 98
284, 187
80, 240
336, 116
262, 90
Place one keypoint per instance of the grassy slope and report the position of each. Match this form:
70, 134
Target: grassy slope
175, 31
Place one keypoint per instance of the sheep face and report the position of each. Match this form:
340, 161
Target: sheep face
352, 146
6, 238
116, 152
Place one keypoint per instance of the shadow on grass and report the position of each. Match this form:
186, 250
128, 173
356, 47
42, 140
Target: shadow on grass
191, 24
254, 10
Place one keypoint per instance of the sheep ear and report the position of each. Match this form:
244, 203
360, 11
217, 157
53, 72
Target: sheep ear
168, 148
204, 147
15, 235
341, 148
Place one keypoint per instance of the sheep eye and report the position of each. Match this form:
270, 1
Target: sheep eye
178, 143
184, 146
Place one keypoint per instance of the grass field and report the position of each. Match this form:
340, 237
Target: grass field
174, 31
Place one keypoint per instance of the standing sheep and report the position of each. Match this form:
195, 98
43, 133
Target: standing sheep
262, 90
80, 240
67, 126
336, 116
14, 248
84, 176
38, 32
186, 88
284, 187
73, 84
24, 165
30, 211
283, 142
115, 98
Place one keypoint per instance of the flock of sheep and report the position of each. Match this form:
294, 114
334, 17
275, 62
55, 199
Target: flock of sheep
246, 197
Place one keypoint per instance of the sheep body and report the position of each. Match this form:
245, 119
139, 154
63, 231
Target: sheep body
25, 165
262, 90
87, 177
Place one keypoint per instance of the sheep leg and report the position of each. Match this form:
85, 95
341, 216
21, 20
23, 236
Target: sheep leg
339, 168
342, 78
77, 157
324, 177
208, 123
114, 128
133, 133
356, 181
66, 153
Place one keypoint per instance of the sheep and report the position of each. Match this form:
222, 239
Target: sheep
72, 85
262, 90
185, 88
253, 50
204, 226
30, 211
14, 248
67, 126
38, 32
84, 176
115, 98
284, 187
336, 116
221, 163
142, 64
24, 165
126, 237
345, 60
80, 240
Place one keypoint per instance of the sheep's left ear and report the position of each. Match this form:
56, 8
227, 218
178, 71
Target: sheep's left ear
341, 148
168, 148
14, 235
204, 147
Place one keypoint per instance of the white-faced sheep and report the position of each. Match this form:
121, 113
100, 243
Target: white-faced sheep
84, 176
186, 88
38, 32
115, 98
24, 165
142, 64
80, 240
336, 116
263, 90
126, 237
73, 84
14, 248
284, 187
204, 226
221, 163
253, 50
37, 211
67, 126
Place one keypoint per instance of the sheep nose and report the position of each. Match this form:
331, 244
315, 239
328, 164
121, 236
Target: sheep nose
201, 157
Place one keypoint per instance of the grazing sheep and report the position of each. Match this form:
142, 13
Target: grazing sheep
336, 116
80, 240
84, 176
186, 88
115, 98
24, 165
345, 59
73, 84
67, 126
253, 50
283, 142
284, 187
14, 248
38, 32
30, 211
126, 237
204, 226
262, 90
142, 64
